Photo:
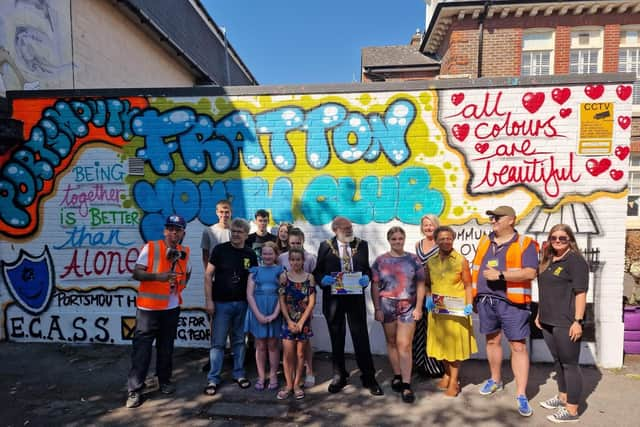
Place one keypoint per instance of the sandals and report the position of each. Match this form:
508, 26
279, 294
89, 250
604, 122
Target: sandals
453, 392
243, 382
443, 384
408, 396
273, 382
396, 383
284, 394
259, 384
211, 389
299, 394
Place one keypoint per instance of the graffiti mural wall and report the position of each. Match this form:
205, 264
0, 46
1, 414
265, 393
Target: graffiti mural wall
35, 45
98, 174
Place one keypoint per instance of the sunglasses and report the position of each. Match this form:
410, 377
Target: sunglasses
495, 218
561, 239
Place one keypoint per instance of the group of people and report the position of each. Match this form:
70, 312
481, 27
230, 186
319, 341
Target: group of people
265, 284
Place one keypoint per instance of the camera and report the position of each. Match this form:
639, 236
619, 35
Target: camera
174, 255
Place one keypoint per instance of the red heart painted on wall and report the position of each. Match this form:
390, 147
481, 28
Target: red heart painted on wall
564, 112
621, 152
596, 167
460, 131
624, 121
560, 95
457, 98
532, 101
623, 92
594, 91
481, 148
616, 174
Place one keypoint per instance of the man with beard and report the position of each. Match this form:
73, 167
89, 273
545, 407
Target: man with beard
346, 253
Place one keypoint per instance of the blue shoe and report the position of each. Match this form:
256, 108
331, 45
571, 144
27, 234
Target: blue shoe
491, 387
523, 406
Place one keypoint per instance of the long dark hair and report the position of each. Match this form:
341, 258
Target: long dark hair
547, 249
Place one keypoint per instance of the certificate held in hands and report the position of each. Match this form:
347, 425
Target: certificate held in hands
347, 283
453, 306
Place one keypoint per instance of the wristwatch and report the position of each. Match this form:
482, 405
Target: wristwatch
579, 321
501, 276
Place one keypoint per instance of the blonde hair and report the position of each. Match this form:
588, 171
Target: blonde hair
547, 249
273, 246
432, 219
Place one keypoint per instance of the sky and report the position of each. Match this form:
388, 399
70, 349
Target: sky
307, 41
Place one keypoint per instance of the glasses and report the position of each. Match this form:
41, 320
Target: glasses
561, 239
495, 218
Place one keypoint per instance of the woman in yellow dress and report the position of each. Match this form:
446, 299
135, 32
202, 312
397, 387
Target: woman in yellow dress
450, 337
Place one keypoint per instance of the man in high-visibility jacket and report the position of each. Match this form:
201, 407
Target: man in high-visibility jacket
503, 268
163, 270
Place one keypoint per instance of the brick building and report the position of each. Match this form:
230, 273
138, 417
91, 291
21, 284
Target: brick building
474, 39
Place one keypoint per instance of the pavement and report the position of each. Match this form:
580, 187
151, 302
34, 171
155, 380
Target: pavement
59, 384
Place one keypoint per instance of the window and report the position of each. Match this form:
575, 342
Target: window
586, 48
634, 176
537, 53
629, 57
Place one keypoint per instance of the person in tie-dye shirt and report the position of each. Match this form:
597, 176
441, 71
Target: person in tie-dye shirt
398, 294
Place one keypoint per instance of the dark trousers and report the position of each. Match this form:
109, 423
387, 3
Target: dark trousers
158, 325
566, 355
335, 309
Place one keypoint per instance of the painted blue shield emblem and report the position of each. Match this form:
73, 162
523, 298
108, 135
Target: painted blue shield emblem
31, 280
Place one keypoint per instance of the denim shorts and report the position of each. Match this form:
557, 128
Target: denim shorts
497, 314
397, 309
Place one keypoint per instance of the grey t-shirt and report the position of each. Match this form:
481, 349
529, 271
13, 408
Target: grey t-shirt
213, 235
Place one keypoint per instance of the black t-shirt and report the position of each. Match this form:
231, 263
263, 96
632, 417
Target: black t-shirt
256, 242
557, 285
232, 271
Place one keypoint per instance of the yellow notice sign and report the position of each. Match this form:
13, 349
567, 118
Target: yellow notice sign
596, 128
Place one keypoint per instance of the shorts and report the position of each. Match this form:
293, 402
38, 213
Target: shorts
497, 314
397, 309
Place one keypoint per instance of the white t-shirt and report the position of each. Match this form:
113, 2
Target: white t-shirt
309, 261
213, 235
143, 259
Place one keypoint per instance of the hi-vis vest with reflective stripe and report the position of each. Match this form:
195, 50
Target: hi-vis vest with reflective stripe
154, 295
517, 292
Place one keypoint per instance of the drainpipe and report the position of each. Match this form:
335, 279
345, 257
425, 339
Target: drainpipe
481, 36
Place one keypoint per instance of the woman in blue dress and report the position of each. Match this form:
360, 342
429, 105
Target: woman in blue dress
263, 318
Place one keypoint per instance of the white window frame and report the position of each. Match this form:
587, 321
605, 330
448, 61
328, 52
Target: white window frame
631, 43
595, 43
634, 173
538, 47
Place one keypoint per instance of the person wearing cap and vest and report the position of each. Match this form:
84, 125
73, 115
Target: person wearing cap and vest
503, 268
163, 270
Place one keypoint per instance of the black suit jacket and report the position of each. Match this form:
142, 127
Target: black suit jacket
329, 260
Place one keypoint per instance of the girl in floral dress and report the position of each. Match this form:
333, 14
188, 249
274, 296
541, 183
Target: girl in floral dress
297, 298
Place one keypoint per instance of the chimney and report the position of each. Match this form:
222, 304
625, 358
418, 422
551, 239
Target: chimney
416, 38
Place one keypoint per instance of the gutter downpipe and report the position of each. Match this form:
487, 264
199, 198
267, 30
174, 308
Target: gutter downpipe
481, 36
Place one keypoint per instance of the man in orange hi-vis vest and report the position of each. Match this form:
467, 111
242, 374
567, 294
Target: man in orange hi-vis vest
502, 271
163, 270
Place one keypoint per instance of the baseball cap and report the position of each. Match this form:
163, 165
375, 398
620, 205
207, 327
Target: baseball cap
176, 221
502, 211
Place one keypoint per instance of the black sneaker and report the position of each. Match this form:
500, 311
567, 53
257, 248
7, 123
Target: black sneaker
167, 388
134, 399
